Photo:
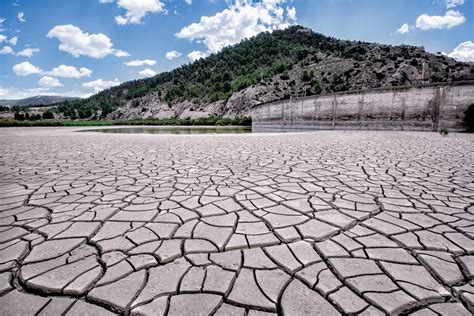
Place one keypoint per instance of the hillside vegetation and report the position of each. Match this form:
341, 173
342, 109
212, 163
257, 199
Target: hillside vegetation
270, 66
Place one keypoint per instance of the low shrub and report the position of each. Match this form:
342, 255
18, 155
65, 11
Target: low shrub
444, 131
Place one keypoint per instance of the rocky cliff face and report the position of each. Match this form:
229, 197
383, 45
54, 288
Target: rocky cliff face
151, 106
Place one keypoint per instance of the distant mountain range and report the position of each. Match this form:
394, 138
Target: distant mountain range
37, 100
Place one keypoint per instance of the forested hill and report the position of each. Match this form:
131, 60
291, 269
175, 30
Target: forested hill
270, 66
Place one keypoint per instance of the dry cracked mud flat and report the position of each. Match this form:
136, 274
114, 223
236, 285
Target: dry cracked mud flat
319, 223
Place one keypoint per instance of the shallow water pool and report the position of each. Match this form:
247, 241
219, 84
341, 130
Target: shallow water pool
173, 130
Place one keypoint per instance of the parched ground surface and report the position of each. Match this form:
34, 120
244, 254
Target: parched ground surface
316, 223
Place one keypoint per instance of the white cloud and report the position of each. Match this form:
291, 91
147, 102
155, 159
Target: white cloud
28, 52
49, 82
463, 52
120, 53
137, 9
77, 43
147, 72
11, 93
172, 55
25, 69
99, 84
453, 3
449, 20
13, 40
69, 72
195, 55
6, 50
106, 1
137, 63
405, 28
120, 20
188, 2
241, 20
291, 13
21, 16
77, 94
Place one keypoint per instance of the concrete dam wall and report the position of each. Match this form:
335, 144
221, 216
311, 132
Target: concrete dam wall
420, 108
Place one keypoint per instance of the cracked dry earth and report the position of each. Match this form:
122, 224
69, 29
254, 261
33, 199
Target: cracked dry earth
319, 223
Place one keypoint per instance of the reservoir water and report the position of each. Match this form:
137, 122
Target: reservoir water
174, 130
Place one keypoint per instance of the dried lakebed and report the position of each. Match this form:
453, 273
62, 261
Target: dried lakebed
321, 223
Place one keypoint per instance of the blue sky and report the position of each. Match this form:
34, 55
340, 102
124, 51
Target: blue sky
78, 47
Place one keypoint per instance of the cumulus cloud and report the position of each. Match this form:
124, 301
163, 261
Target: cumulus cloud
13, 40
76, 94
26, 69
241, 20
99, 84
426, 22
405, 28
137, 10
449, 20
75, 42
49, 82
188, 2
147, 72
137, 62
463, 52
291, 13
453, 3
120, 53
21, 16
69, 72
195, 55
28, 52
13, 93
120, 20
6, 50
172, 55
64, 71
